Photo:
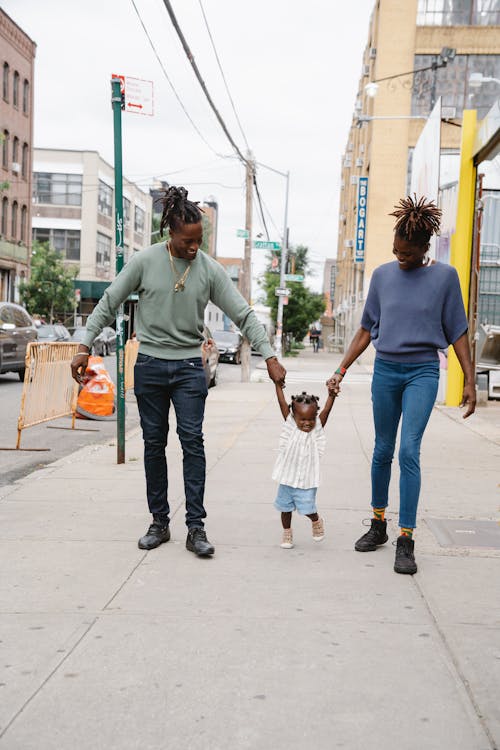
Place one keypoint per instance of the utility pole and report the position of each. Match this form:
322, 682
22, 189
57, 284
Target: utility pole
116, 100
246, 287
284, 254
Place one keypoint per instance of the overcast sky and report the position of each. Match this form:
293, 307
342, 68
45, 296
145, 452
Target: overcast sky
292, 69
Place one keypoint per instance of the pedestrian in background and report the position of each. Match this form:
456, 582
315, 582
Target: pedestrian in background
314, 338
413, 309
174, 282
302, 443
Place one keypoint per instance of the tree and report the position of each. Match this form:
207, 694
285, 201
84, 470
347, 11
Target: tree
304, 306
50, 286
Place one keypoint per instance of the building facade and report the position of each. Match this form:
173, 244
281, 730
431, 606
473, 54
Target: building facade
17, 58
406, 45
73, 210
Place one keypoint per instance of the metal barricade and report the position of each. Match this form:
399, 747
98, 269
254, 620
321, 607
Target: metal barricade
131, 351
49, 391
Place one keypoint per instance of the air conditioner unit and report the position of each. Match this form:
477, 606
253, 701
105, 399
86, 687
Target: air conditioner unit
361, 148
359, 162
358, 106
348, 243
373, 53
366, 70
354, 179
16, 167
349, 146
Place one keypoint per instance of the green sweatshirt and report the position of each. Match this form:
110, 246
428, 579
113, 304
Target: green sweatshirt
169, 325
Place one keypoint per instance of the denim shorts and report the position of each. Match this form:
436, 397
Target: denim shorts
296, 498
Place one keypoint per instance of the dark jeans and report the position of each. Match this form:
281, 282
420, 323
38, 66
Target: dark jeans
157, 382
407, 390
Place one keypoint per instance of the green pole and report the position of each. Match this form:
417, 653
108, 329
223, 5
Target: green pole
116, 100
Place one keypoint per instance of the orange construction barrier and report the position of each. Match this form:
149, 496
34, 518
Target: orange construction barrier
97, 396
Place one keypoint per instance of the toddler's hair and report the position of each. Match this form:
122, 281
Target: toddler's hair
304, 398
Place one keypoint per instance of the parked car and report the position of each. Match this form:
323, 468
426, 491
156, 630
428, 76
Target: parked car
16, 331
210, 355
229, 346
104, 344
56, 332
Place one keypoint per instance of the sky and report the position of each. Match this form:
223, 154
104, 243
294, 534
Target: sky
292, 69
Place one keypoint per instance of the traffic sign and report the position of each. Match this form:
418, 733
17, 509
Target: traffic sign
264, 245
137, 93
282, 292
294, 277
243, 233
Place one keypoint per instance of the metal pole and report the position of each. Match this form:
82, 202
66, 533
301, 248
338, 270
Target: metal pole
116, 100
246, 288
284, 252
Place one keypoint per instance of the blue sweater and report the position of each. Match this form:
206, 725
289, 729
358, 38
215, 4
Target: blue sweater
412, 314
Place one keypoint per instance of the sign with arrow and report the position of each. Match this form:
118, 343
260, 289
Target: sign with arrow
137, 95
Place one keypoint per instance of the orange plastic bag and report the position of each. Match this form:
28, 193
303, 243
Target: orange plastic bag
97, 396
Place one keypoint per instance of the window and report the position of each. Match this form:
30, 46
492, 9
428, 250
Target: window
21, 320
452, 84
105, 199
26, 97
5, 211
5, 149
64, 241
24, 162
139, 218
458, 13
14, 220
58, 189
5, 81
126, 212
24, 217
15, 89
15, 154
103, 252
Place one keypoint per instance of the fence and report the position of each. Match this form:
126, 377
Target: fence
49, 391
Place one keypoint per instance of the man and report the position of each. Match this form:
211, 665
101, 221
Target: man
174, 283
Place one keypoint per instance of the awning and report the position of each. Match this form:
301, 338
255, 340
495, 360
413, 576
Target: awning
91, 289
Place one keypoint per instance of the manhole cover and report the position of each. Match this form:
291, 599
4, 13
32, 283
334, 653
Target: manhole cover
451, 533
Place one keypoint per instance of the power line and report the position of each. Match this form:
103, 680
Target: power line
172, 85
197, 73
223, 76
260, 206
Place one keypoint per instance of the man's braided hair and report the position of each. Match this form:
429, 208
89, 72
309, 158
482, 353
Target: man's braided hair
304, 398
177, 209
417, 219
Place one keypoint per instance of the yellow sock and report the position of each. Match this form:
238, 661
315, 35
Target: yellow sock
379, 514
406, 532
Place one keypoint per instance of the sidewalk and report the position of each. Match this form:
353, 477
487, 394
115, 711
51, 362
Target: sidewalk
106, 647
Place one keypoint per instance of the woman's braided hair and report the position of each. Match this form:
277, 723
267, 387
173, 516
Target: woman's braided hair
416, 219
304, 398
177, 209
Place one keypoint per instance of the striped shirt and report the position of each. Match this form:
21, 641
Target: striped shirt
297, 464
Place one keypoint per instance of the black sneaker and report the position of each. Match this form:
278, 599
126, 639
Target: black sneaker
198, 543
405, 559
156, 534
373, 538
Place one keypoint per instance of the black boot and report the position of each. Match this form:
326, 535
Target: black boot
198, 543
156, 534
405, 559
373, 538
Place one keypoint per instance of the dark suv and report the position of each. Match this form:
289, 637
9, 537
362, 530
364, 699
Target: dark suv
16, 331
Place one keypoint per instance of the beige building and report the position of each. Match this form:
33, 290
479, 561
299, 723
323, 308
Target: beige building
73, 210
17, 55
404, 37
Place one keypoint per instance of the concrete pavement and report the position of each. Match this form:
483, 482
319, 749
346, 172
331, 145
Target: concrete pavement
106, 646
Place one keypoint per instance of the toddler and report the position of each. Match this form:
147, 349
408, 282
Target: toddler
302, 443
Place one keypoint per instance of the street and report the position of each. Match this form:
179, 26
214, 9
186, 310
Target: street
56, 434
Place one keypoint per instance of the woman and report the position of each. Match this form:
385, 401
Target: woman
413, 308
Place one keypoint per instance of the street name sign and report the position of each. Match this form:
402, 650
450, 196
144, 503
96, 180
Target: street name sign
294, 277
282, 292
264, 245
243, 233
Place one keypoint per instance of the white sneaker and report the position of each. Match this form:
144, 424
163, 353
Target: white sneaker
318, 530
287, 540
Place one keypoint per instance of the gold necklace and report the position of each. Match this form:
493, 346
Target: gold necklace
181, 280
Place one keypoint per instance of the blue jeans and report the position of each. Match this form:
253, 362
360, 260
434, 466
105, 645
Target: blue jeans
409, 390
157, 382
